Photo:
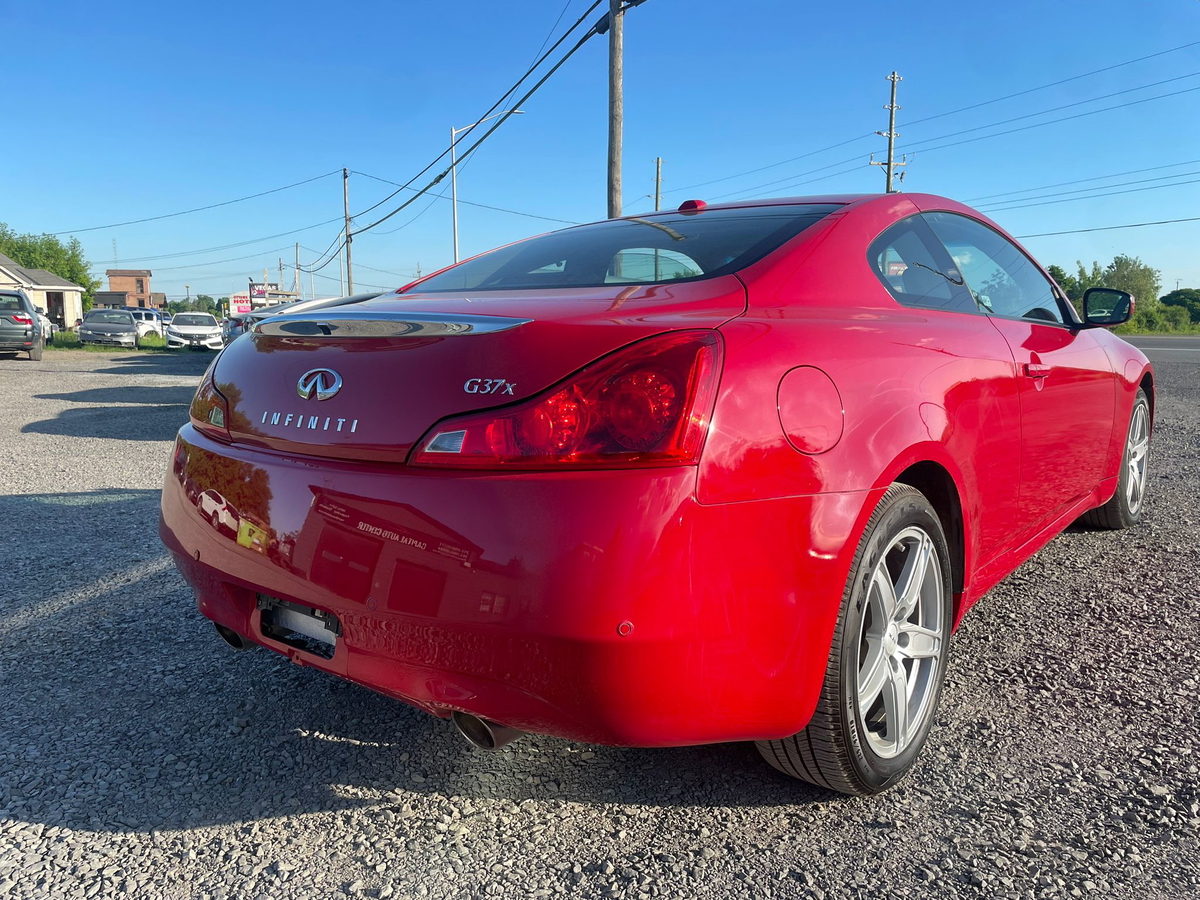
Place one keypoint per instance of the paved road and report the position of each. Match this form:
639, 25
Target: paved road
1170, 348
140, 757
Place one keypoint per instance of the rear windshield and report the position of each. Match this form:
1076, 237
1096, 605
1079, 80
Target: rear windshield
108, 317
11, 303
650, 250
194, 319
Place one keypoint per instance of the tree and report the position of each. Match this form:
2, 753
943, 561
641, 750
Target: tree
1068, 283
1188, 298
44, 251
1128, 273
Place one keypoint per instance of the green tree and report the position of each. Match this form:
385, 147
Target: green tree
1187, 298
1068, 283
44, 251
1128, 273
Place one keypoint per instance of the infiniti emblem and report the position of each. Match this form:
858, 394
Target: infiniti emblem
322, 382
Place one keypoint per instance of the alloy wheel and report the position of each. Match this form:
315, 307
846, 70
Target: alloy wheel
1136, 453
901, 643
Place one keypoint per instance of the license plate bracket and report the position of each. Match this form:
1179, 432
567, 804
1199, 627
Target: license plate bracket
303, 627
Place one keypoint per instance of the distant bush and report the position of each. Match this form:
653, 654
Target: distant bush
154, 342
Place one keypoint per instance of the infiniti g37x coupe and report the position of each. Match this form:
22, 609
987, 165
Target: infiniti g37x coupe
726, 473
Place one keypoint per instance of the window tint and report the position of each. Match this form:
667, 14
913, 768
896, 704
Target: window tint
1004, 280
915, 269
656, 248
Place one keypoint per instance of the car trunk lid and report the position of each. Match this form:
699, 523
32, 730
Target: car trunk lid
366, 382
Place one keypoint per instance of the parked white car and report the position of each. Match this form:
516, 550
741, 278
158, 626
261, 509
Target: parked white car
49, 329
148, 321
217, 510
200, 331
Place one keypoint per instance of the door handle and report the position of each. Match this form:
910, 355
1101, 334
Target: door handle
1036, 370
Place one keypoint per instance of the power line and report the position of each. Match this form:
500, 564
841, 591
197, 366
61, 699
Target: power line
1058, 109
1022, 202
1051, 84
937, 116
216, 262
515, 212
1188, 162
500, 121
185, 212
1109, 227
217, 249
1152, 187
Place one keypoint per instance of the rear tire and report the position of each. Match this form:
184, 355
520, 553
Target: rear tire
1124, 508
887, 663
35, 353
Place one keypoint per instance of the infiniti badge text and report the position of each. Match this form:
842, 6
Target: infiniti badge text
312, 423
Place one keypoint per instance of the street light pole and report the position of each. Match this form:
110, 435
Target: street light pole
454, 132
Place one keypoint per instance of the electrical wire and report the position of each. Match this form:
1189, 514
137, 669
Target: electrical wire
462, 164
941, 115
1109, 227
1188, 162
500, 121
1051, 84
503, 118
1153, 187
185, 212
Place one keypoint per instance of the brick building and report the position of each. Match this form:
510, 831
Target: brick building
134, 284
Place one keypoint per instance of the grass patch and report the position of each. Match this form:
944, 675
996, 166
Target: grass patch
69, 340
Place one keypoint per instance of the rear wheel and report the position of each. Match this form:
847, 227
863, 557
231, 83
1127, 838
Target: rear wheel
1124, 509
35, 352
887, 663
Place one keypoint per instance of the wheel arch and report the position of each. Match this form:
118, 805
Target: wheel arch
936, 479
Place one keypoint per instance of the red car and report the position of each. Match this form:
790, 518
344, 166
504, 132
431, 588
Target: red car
724, 473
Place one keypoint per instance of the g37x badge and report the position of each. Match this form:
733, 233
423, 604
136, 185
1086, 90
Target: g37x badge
488, 386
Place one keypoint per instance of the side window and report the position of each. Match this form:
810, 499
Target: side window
914, 267
1003, 279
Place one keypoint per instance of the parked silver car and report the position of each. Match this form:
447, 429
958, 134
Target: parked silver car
109, 326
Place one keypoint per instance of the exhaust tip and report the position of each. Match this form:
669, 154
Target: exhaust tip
482, 733
232, 638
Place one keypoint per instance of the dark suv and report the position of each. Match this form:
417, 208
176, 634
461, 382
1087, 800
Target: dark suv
20, 328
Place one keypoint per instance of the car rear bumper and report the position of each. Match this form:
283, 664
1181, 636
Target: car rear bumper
607, 607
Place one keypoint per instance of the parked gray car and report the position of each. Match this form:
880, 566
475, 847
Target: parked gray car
20, 327
109, 326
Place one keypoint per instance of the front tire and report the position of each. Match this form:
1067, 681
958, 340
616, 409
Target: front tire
1124, 508
887, 663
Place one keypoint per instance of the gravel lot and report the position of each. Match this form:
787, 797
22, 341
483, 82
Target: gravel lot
139, 756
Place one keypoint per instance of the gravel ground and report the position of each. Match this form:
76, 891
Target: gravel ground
141, 757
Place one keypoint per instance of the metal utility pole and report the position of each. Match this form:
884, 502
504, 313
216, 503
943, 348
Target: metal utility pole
891, 134
349, 237
296, 280
616, 102
657, 183
281, 273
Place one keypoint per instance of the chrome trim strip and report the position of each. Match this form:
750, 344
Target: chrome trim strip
380, 323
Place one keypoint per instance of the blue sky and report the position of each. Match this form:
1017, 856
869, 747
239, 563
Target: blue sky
127, 110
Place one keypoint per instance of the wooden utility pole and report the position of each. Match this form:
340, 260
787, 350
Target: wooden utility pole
616, 103
891, 134
296, 280
657, 183
349, 237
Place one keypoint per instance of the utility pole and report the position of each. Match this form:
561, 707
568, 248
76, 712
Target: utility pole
281, 273
657, 183
616, 102
891, 134
349, 237
454, 188
296, 280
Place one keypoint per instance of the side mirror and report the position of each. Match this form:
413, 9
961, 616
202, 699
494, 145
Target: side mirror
1107, 307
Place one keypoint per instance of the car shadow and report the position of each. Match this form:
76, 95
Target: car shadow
179, 362
155, 723
161, 411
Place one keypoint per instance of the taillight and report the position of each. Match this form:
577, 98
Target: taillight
21, 318
210, 409
648, 404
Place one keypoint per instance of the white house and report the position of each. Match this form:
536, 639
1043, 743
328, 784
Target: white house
62, 300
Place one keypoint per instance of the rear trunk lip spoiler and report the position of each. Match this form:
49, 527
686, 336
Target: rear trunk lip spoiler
383, 324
